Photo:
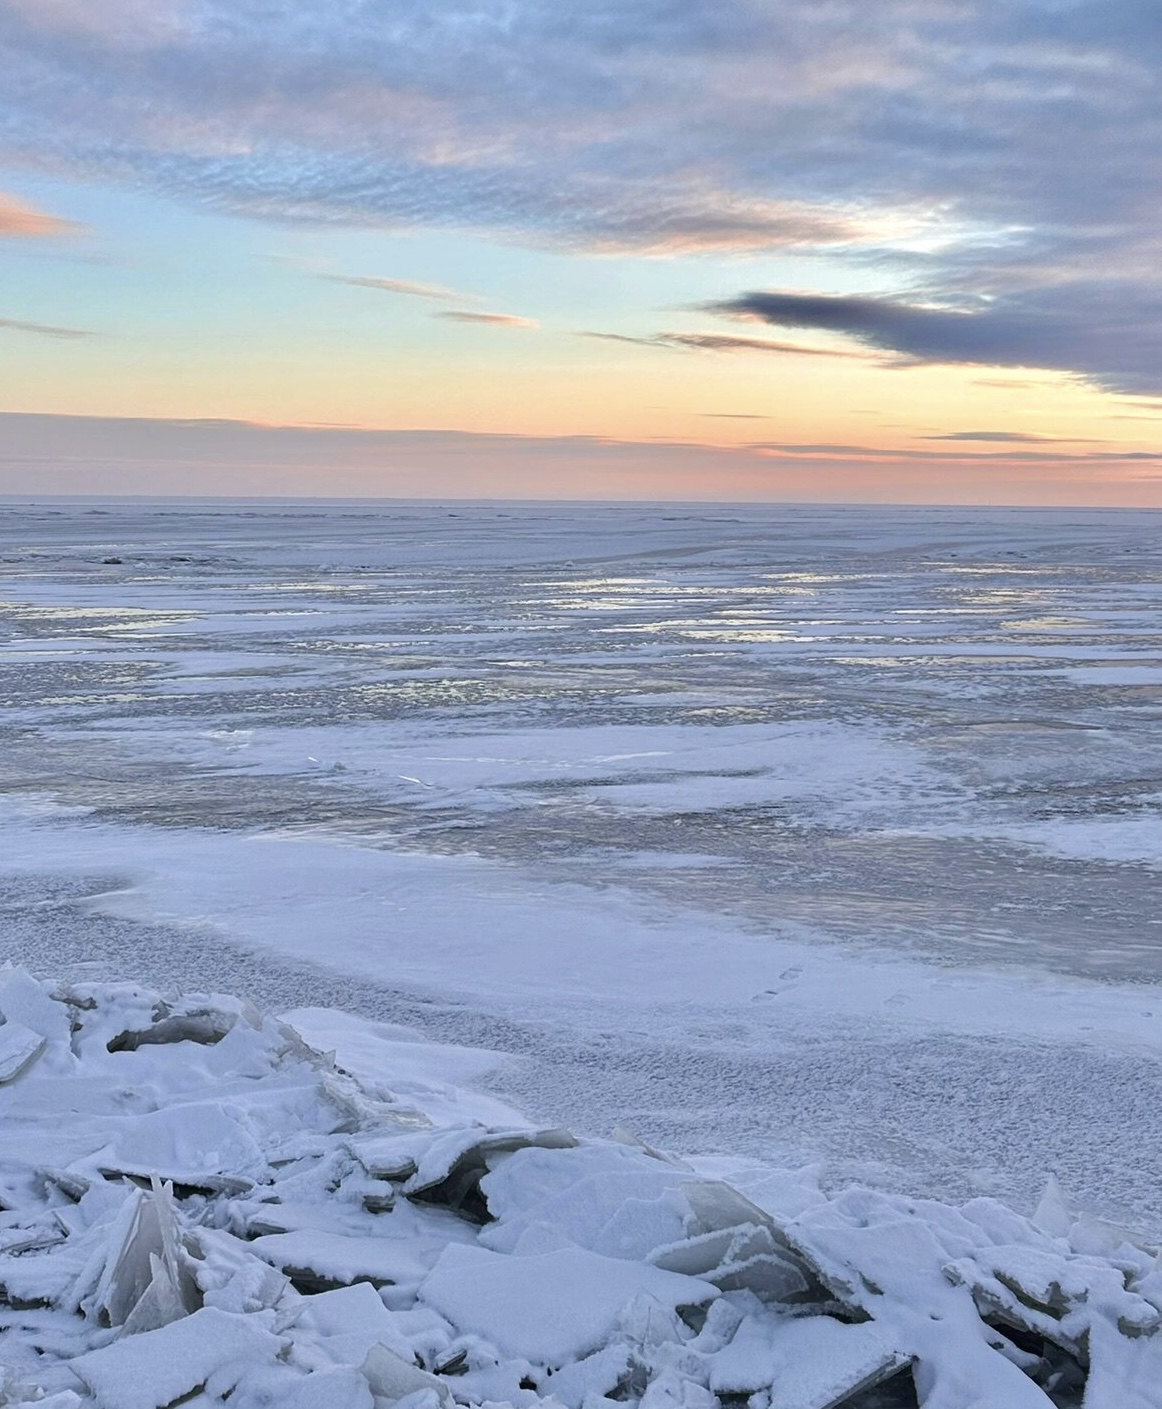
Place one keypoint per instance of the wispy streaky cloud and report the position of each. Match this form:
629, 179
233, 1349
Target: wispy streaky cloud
44, 330
701, 220
398, 286
719, 342
656, 341
492, 320
19, 221
1013, 383
730, 342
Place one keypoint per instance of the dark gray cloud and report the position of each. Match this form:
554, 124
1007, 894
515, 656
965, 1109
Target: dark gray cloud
1002, 158
1110, 332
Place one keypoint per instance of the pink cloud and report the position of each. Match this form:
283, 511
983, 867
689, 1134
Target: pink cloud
24, 222
496, 320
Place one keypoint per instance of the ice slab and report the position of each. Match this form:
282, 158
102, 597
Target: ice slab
810, 1363
152, 1370
19, 1048
202, 1144
550, 1308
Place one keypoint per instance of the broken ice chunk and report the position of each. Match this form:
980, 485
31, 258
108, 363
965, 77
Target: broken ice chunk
1052, 1214
349, 1321
671, 1390
24, 1000
1124, 1372
26, 1004
152, 1370
146, 1281
744, 1258
551, 1308
19, 1048
392, 1378
201, 1144
606, 1198
316, 1261
809, 1362
598, 1374
451, 1167
276, 1387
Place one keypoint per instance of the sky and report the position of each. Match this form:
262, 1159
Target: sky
853, 250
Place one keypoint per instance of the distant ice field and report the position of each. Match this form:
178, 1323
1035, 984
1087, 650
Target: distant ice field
666, 800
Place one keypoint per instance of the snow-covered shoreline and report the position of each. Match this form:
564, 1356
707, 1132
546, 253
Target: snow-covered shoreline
204, 1205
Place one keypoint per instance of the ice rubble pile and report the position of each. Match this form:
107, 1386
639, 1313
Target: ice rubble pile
199, 1207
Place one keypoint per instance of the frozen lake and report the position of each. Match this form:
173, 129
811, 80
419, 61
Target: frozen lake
774, 831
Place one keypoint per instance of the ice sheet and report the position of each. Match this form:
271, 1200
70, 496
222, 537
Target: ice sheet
804, 831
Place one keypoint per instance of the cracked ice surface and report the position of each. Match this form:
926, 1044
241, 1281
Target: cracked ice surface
202, 1206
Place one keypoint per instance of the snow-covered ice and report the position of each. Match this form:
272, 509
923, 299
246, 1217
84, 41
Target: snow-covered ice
781, 836
426, 1258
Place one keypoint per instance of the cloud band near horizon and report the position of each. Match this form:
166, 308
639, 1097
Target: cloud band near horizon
93, 455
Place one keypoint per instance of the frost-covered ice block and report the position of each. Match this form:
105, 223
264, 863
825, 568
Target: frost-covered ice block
336, 1258
349, 1321
152, 1370
607, 1198
810, 1362
596, 1374
735, 1259
27, 1003
392, 1378
19, 1048
455, 1152
279, 1388
1125, 1372
200, 1144
550, 1308
147, 1281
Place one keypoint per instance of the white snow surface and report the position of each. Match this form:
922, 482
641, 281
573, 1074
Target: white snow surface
202, 1207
